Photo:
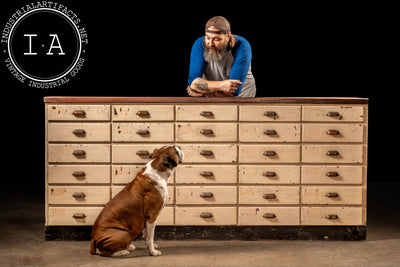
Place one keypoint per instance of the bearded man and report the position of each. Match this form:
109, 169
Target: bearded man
220, 63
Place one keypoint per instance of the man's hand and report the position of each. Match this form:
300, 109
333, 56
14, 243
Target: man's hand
229, 86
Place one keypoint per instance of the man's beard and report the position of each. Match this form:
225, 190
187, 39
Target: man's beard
214, 55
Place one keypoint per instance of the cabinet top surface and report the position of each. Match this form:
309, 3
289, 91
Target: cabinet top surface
266, 100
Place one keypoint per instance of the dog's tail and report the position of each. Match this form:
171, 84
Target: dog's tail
93, 247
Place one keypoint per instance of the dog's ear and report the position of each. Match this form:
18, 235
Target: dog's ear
170, 162
154, 151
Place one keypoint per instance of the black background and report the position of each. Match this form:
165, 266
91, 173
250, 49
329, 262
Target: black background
143, 49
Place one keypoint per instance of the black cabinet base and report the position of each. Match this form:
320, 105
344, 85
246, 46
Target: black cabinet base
354, 233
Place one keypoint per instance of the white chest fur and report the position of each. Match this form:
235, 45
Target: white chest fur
161, 178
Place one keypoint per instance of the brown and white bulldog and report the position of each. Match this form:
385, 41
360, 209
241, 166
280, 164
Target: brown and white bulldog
136, 208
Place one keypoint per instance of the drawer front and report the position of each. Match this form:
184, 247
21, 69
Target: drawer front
331, 216
333, 113
331, 195
194, 174
333, 133
78, 132
82, 174
210, 153
143, 112
166, 217
206, 132
205, 216
78, 112
115, 189
269, 216
332, 153
206, 113
86, 153
134, 154
269, 132
81, 195
269, 113
269, 153
269, 174
142, 132
323, 174
274, 195
206, 195
73, 215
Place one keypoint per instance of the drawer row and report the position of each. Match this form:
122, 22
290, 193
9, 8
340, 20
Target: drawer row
224, 216
208, 153
211, 174
219, 195
204, 132
204, 113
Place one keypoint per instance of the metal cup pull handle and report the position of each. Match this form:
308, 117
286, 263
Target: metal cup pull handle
332, 132
206, 215
79, 195
332, 174
269, 153
79, 153
79, 132
79, 216
269, 196
270, 113
79, 113
332, 153
206, 153
79, 174
143, 113
207, 114
206, 195
206, 131
269, 174
143, 153
206, 174
333, 114
331, 217
269, 215
270, 132
332, 194
143, 132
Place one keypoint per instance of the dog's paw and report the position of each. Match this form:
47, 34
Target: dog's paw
155, 253
131, 247
120, 253
155, 246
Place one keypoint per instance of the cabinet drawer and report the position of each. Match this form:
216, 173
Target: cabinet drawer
79, 153
269, 113
78, 132
332, 174
73, 215
269, 132
205, 216
142, 132
194, 174
269, 174
333, 133
206, 132
201, 195
115, 189
269, 216
274, 195
134, 154
82, 174
332, 153
78, 112
331, 216
331, 195
81, 195
210, 153
166, 217
269, 153
206, 113
143, 112
333, 113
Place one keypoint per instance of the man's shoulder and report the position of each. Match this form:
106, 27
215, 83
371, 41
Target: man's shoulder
241, 41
